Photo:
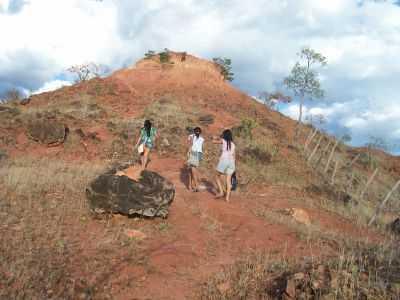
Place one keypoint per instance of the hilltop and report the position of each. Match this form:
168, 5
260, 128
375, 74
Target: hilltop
289, 204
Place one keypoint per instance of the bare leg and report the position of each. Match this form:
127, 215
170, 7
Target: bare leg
219, 184
190, 186
195, 178
145, 158
228, 186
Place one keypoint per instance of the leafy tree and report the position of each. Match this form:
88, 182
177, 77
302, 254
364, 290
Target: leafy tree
149, 54
164, 56
88, 71
271, 100
303, 79
346, 138
225, 66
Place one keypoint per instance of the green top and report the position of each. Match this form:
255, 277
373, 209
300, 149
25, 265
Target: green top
147, 140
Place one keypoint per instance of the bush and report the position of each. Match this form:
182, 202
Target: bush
245, 128
224, 64
164, 56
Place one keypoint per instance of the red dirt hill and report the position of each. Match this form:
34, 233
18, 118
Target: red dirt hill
172, 258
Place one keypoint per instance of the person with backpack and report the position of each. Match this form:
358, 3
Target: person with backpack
195, 155
147, 138
226, 166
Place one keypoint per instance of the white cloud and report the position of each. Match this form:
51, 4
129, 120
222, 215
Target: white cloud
361, 39
52, 85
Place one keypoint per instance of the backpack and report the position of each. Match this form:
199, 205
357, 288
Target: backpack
234, 181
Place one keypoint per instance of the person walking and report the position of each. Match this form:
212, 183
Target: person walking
195, 155
226, 165
145, 142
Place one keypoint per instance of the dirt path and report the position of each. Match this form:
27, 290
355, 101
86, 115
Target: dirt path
204, 234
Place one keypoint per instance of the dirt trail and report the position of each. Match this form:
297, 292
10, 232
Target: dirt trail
206, 234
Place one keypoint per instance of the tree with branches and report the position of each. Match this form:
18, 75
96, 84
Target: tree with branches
272, 100
88, 71
303, 79
225, 65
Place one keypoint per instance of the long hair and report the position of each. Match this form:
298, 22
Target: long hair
227, 136
147, 127
197, 132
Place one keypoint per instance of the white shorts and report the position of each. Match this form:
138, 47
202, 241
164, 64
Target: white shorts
226, 166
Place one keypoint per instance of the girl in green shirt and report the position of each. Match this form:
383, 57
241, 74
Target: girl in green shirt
147, 138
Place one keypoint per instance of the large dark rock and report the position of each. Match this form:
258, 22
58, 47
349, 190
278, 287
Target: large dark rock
395, 226
149, 197
46, 131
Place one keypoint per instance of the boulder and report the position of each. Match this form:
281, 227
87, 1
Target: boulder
395, 226
46, 131
149, 196
206, 120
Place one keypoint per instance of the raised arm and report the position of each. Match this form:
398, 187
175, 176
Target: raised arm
216, 140
138, 141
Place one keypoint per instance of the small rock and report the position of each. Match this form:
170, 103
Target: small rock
224, 287
134, 234
300, 215
165, 142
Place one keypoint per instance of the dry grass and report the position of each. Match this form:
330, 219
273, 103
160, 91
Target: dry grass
42, 201
357, 271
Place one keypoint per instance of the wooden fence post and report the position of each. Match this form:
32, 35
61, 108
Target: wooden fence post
315, 148
354, 160
334, 172
309, 140
371, 178
379, 208
324, 151
330, 156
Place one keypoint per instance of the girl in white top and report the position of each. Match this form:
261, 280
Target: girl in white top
195, 155
226, 165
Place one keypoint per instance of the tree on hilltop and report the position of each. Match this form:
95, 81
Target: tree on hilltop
88, 71
303, 79
225, 66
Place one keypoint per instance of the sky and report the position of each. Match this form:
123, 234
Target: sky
40, 39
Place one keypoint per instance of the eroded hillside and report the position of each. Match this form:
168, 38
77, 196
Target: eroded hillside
295, 199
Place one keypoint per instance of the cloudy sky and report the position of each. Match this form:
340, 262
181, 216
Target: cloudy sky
40, 39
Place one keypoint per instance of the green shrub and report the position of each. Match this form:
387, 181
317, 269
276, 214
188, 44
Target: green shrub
164, 56
224, 64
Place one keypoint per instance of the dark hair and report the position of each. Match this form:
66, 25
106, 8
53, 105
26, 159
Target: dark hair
227, 136
197, 131
147, 127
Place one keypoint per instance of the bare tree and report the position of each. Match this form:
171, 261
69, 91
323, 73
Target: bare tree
88, 71
303, 79
272, 100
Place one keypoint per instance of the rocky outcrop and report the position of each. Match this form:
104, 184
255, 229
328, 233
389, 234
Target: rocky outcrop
149, 196
44, 131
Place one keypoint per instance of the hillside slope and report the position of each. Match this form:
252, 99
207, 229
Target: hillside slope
52, 246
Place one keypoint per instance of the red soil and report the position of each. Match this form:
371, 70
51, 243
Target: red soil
204, 233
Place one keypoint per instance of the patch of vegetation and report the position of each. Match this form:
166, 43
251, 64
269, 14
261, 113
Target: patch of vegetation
149, 54
359, 271
245, 129
225, 66
165, 56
